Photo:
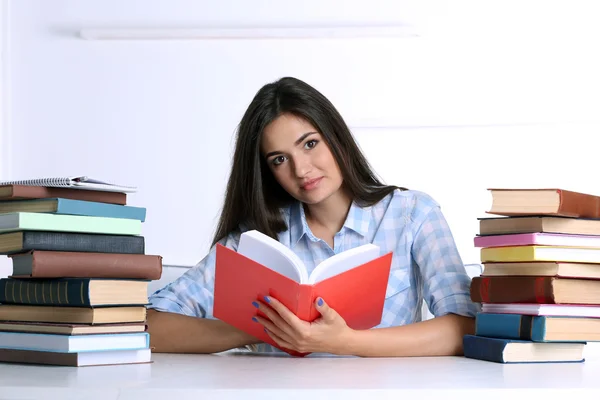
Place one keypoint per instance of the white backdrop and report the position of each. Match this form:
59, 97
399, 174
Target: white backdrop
488, 94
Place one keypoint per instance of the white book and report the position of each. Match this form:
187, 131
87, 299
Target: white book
73, 182
550, 310
278, 257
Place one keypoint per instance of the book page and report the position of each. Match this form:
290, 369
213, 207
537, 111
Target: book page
272, 254
344, 261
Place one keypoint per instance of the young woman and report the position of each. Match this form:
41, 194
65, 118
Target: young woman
299, 176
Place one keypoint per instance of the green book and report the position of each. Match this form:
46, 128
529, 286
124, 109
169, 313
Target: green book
24, 221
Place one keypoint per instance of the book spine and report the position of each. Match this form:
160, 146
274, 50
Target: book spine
83, 242
39, 357
68, 293
58, 264
481, 348
509, 254
306, 298
509, 289
39, 192
510, 326
96, 209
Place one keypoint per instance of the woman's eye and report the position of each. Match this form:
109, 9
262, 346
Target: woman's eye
278, 160
311, 144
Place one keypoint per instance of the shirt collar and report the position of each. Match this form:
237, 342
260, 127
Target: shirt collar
357, 220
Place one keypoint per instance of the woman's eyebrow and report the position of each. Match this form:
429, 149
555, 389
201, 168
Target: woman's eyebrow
296, 143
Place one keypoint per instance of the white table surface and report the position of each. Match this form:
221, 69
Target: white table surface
229, 376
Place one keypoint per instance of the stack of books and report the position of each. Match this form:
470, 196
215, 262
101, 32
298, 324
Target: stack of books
78, 291
540, 288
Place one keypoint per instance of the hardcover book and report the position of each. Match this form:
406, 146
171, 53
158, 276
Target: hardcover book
22, 241
353, 283
61, 264
508, 351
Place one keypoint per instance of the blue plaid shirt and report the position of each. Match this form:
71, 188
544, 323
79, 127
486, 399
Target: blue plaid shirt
425, 264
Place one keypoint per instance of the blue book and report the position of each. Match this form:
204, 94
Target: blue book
510, 351
538, 328
73, 343
74, 207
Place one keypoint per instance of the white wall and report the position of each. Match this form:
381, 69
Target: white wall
488, 94
5, 267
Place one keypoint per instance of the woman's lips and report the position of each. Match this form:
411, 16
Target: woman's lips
312, 184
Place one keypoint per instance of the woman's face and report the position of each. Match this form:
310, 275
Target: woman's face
300, 159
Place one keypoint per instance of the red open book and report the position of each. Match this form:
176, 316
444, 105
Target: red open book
353, 283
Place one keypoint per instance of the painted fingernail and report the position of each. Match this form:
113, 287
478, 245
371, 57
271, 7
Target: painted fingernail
267, 299
254, 319
320, 302
266, 330
255, 304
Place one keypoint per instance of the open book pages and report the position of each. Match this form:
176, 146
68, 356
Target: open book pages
278, 257
73, 182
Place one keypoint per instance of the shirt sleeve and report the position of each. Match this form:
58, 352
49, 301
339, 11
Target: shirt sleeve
445, 282
192, 293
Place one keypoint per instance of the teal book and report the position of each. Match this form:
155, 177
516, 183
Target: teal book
510, 351
25, 221
538, 328
74, 292
73, 207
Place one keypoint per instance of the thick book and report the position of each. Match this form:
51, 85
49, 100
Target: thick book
72, 315
544, 202
73, 344
73, 182
74, 292
540, 253
549, 310
537, 238
81, 359
61, 264
17, 242
22, 221
508, 351
542, 268
530, 224
353, 283
538, 328
74, 207
21, 192
534, 289
70, 329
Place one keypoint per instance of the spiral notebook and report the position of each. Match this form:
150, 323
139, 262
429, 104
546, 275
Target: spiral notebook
73, 182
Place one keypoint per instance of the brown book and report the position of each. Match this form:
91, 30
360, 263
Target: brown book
72, 315
81, 359
534, 289
63, 264
556, 268
70, 329
544, 202
19, 192
532, 224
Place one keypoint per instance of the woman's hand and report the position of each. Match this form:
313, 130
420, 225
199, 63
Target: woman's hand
326, 334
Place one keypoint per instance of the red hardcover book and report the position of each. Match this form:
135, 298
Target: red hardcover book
353, 287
